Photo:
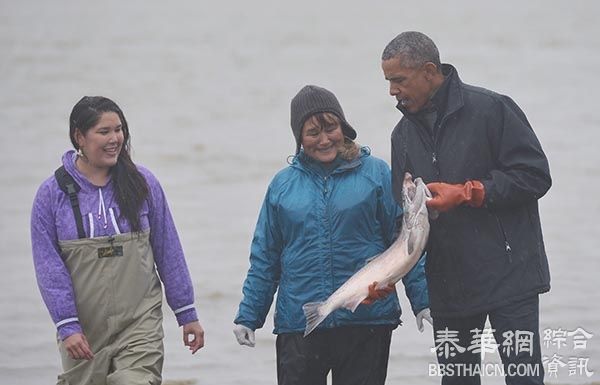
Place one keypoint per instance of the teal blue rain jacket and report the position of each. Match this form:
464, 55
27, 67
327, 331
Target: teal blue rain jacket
314, 231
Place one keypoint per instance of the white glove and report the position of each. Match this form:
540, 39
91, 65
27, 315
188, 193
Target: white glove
244, 335
424, 314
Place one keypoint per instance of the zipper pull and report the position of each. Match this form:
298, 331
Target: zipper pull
508, 251
434, 158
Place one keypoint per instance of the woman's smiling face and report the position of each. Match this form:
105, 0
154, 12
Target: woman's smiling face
102, 143
322, 138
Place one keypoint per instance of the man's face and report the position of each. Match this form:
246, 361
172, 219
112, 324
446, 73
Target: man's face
412, 87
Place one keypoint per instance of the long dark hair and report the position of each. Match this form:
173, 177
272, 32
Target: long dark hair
130, 185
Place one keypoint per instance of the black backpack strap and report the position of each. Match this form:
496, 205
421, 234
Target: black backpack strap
68, 185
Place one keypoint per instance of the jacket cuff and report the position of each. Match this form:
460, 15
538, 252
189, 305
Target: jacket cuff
246, 324
68, 330
488, 199
186, 316
475, 193
417, 310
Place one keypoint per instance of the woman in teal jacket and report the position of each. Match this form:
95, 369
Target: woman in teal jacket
323, 217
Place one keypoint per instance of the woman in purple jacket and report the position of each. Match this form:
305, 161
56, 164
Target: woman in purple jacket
100, 229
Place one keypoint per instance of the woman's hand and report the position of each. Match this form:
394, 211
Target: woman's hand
193, 329
244, 335
424, 314
77, 347
377, 294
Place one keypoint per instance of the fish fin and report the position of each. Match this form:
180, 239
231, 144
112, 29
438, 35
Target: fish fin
312, 312
353, 305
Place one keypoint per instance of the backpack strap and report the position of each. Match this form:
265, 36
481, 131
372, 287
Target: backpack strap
68, 185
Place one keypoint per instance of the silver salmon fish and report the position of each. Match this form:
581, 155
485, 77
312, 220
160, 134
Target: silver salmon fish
386, 268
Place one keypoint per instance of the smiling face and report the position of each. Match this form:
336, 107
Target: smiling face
412, 87
322, 137
102, 143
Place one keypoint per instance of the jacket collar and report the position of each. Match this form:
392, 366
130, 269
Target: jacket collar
454, 95
303, 162
448, 97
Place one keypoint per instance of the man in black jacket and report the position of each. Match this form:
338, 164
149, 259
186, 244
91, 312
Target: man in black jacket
486, 170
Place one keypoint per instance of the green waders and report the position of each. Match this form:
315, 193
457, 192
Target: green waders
118, 296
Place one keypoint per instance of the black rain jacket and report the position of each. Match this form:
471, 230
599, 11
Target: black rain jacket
479, 258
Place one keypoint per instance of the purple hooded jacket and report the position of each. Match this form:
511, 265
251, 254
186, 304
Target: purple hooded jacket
52, 221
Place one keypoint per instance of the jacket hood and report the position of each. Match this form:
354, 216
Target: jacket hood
68, 160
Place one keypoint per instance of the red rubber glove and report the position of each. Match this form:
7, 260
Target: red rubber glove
377, 294
448, 196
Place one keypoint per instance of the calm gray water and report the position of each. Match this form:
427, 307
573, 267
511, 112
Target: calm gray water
206, 89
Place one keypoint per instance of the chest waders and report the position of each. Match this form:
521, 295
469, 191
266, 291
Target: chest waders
118, 297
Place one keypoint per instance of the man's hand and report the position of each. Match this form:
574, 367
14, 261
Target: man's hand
193, 329
244, 335
78, 347
448, 196
377, 294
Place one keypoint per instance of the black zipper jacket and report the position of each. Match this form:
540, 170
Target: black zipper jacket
479, 258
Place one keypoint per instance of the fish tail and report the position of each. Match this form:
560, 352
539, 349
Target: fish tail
313, 311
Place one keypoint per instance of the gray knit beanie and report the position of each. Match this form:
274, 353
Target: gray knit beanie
311, 100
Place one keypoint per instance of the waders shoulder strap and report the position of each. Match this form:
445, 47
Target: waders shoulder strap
68, 185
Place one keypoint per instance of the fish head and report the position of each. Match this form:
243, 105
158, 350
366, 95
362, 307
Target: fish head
414, 196
415, 221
